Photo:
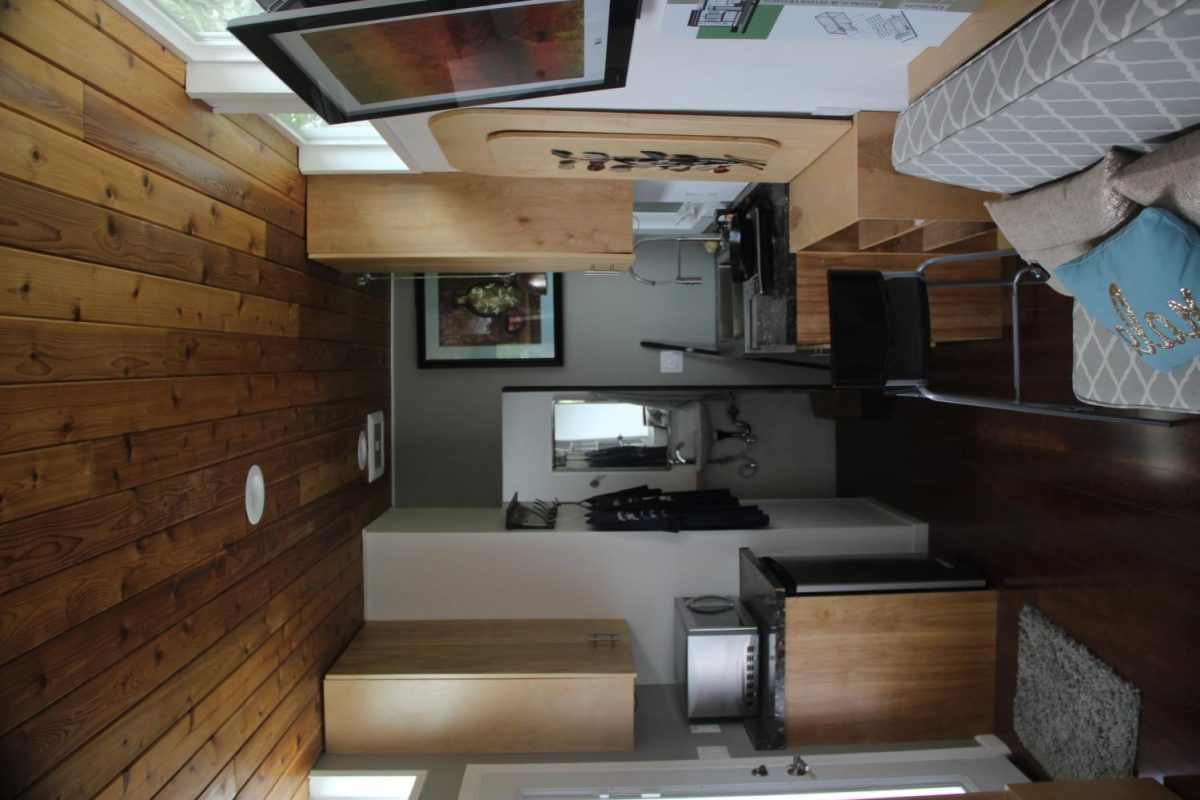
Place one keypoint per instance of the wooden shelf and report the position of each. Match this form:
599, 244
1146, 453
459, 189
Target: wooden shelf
853, 181
483, 686
851, 210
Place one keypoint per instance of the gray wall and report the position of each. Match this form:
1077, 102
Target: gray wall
446, 422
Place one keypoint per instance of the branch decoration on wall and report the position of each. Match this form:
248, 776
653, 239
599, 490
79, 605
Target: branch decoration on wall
653, 159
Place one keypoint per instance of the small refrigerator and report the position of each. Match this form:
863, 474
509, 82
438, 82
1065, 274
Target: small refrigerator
871, 574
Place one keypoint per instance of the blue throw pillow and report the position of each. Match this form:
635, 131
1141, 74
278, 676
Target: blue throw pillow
1144, 284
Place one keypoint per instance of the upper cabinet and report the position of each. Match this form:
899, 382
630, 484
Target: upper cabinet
455, 222
616, 145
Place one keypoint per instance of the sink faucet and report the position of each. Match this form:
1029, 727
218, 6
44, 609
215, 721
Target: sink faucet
677, 456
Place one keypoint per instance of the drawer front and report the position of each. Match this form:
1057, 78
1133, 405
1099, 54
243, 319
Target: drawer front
479, 715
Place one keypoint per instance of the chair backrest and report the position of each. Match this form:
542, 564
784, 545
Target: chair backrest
878, 329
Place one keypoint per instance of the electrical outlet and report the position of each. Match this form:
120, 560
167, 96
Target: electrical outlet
670, 361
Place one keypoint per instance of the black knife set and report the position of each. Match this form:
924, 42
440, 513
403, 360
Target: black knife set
646, 509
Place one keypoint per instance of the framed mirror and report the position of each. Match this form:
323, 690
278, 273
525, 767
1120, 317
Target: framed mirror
593, 435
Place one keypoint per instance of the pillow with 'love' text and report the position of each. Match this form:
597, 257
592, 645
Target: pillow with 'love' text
1144, 284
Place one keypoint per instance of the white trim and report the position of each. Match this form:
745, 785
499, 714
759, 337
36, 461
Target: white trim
332, 158
383, 129
982, 767
231, 87
322, 784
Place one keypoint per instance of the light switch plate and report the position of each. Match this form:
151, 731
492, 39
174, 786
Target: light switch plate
670, 361
375, 445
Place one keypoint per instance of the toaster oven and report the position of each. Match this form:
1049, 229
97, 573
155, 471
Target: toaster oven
716, 657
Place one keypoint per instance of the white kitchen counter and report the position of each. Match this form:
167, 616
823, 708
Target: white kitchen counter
460, 563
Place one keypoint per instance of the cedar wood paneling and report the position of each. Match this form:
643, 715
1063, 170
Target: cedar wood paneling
160, 331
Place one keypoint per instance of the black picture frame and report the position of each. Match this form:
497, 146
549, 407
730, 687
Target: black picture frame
258, 34
451, 335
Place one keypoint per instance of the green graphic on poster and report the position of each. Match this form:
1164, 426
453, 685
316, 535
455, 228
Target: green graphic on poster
758, 27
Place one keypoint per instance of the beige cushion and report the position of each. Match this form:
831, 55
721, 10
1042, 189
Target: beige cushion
1057, 223
1168, 178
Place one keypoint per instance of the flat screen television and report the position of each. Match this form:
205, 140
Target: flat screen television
380, 58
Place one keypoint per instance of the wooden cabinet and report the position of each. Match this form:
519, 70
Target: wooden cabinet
519, 142
483, 686
889, 667
850, 210
453, 222
853, 184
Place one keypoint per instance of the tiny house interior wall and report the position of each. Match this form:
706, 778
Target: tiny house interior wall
794, 451
461, 564
447, 422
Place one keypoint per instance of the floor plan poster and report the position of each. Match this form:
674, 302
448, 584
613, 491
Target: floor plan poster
878, 21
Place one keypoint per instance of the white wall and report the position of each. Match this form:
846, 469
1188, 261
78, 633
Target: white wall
446, 422
726, 77
461, 564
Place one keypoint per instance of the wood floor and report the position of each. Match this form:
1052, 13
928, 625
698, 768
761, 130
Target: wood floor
1097, 525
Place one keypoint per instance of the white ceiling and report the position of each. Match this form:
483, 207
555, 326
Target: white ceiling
679, 74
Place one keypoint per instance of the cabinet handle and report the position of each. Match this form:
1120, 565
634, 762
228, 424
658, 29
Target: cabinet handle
604, 638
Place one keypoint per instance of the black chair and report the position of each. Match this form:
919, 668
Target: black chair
879, 336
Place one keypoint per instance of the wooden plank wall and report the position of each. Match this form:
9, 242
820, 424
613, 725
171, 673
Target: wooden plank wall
161, 330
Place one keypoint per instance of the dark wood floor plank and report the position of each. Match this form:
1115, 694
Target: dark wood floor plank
214, 734
40, 610
39, 154
37, 219
60, 477
34, 416
63, 738
101, 757
60, 36
1094, 524
161, 329
127, 33
38, 89
122, 131
77, 655
266, 132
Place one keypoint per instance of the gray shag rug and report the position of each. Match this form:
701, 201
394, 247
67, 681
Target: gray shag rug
1076, 716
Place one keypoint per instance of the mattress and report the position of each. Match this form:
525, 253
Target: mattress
1073, 81
1109, 373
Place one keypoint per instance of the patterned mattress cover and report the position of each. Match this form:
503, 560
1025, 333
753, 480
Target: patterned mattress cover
1109, 373
1054, 95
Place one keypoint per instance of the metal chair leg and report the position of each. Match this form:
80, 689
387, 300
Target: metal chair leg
1045, 409
1036, 275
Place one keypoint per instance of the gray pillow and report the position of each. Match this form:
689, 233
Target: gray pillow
1168, 178
1057, 223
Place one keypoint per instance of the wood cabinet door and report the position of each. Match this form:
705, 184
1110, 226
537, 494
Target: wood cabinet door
890, 667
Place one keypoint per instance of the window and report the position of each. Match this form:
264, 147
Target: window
370, 785
228, 77
202, 18
311, 129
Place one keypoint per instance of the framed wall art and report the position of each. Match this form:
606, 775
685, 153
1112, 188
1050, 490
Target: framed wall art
489, 321
366, 59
